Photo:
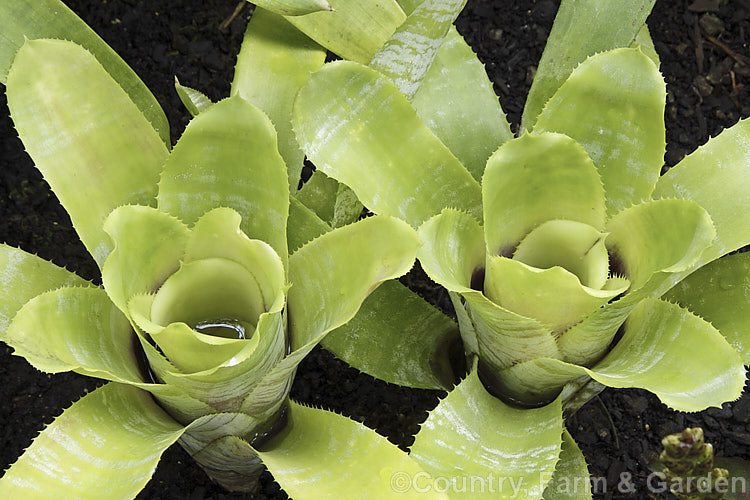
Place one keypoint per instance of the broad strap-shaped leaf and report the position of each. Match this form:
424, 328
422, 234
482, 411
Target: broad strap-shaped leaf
613, 105
332, 275
476, 124
665, 349
227, 157
303, 225
319, 195
113, 437
716, 177
408, 54
644, 41
472, 434
660, 235
533, 179
330, 278
92, 144
358, 128
452, 254
720, 293
354, 30
571, 480
294, 7
582, 28
335, 457
148, 247
24, 276
195, 101
398, 337
31, 19
274, 62
555, 296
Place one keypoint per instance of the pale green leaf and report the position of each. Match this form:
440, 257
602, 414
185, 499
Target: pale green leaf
112, 438
555, 297
332, 275
720, 293
452, 254
717, 177
303, 226
571, 479
274, 62
473, 439
24, 276
91, 143
408, 54
75, 329
294, 7
148, 247
582, 28
195, 101
231, 462
32, 19
646, 44
217, 234
476, 124
661, 235
330, 278
359, 129
533, 179
228, 157
347, 208
613, 106
664, 349
319, 195
336, 457
398, 337
354, 30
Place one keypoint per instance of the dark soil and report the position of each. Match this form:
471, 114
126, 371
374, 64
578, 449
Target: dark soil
707, 86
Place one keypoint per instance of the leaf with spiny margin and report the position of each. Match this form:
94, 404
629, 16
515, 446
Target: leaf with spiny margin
398, 337
392, 312
472, 434
571, 479
223, 386
148, 247
274, 62
719, 292
660, 235
193, 100
665, 349
582, 28
347, 208
646, 44
113, 436
319, 195
303, 225
32, 19
24, 276
717, 177
294, 7
227, 156
330, 278
91, 143
354, 30
536, 178
408, 54
452, 252
80, 329
476, 124
359, 129
336, 457
613, 105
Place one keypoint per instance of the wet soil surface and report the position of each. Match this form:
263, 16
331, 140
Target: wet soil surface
705, 61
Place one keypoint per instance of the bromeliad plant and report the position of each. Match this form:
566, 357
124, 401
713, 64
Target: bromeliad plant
570, 262
203, 316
